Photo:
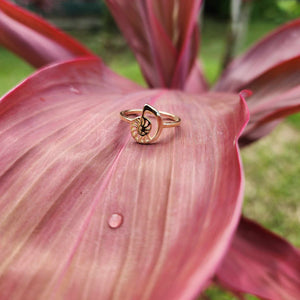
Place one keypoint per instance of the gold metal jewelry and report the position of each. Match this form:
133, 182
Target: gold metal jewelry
141, 126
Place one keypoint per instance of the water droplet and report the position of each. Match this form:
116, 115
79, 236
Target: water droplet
115, 221
74, 90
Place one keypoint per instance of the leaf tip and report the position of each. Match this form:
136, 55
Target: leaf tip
246, 93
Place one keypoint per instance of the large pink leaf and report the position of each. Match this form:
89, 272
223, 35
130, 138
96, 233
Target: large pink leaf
276, 94
33, 39
261, 263
87, 213
163, 36
281, 45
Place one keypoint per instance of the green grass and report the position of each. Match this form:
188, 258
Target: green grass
12, 70
272, 165
272, 168
216, 293
212, 47
294, 120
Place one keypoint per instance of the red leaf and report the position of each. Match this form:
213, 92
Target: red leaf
35, 40
196, 82
261, 263
163, 36
281, 45
68, 168
276, 94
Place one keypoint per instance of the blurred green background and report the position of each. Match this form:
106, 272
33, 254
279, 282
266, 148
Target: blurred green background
272, 165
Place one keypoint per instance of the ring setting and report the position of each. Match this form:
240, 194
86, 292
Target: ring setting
141, 126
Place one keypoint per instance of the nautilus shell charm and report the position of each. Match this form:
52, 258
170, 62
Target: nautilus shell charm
144, 126
141, 128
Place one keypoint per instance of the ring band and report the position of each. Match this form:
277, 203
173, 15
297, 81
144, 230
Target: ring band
141, 126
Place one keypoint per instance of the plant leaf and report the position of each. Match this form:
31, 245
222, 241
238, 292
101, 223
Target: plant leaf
69, 168
281, 45
261, 263
276, 94
196, 82
163, 35
35, 40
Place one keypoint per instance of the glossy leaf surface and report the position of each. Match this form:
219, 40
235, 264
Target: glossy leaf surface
261, 263
87, 212
33, 39
163, 35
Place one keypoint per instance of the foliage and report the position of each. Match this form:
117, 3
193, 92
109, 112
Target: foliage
271, 10
217, 9
268, 10
196, 204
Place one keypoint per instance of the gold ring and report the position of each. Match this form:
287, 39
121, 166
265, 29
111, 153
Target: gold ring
141, 126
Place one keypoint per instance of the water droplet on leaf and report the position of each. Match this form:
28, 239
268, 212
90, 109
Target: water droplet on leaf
74, 90
115, 221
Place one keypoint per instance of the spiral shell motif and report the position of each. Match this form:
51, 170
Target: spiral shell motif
140, 130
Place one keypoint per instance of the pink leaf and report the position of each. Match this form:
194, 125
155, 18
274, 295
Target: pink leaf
163, 36
196, 82
276, 94
261, 263
87, 213
281, 45
33, 39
